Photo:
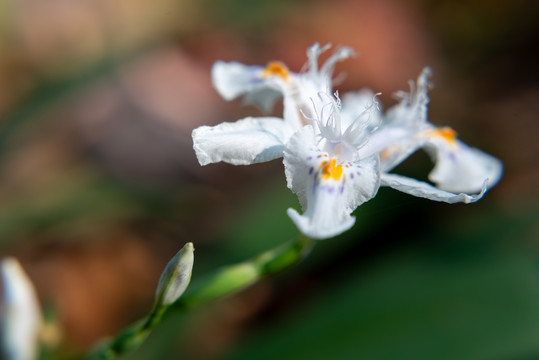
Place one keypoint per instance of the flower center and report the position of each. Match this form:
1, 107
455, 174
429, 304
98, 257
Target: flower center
276, 68
330, 170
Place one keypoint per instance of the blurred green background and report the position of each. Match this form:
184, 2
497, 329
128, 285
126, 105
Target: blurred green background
99, 185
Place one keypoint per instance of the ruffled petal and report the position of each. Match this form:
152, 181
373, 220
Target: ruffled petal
424, 190
328, 190
362, 181
460, 168
247, 141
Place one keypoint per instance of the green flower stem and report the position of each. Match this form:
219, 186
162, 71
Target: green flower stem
226, 281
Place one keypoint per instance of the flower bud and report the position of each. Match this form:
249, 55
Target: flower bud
175, 277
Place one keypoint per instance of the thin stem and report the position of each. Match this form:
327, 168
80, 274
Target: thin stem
224, 282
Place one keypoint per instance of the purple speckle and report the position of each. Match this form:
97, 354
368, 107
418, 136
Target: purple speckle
311, 170
452, 157
309, 158
331, 190
352, 175
358, 173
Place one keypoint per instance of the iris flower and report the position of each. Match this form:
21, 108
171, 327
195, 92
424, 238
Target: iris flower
336, 155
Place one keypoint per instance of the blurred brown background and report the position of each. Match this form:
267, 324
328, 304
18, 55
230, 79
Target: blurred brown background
99, 185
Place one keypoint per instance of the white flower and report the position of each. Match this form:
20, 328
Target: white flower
20, 313
459, 169
253, 140
324, 169
337, 155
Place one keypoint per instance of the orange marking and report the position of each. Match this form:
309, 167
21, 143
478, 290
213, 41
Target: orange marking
445, 133
385, 154
330, 171
276, 68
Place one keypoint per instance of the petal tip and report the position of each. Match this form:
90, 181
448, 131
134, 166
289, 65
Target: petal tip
317, 231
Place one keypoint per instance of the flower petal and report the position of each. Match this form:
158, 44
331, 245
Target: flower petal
21, 314
233, 79
314, 52
328, 191
396, 139
247, 141
412, 109
360, 104
460, 168
424, 190
404, 144
393, 143
362, 181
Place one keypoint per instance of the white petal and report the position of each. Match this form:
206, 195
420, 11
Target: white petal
247, 141
263, 97
362, 181
412, 109
233, 79
324, 224
310, 90
400, 149
327, 203
393, 143
340, 54
359, 104
424, 190
395, 139
314, 52
21, 314
460, 168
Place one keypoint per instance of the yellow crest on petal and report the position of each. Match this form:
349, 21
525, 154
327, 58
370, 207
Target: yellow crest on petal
276, 68
445, 133
330, 170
